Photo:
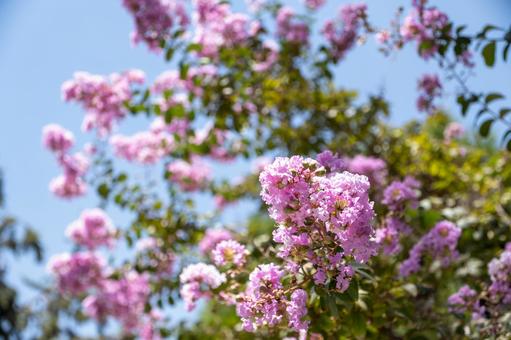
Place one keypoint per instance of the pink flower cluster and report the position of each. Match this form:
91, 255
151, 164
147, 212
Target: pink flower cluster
374, 168
424, 25
70, 184
77, 272
124, 299
466, 299
264, 302
217, 27
211, 238
102, 97
156, 20
190, 176
146, 147
439, 244
229, 252
430, 88
314, 4
389, 234
197, 281
154, 258
343, 37
171, 81
290, 28
93, 229
57, 139
400, 195
268, 56
319, 214
499, 270
453, 131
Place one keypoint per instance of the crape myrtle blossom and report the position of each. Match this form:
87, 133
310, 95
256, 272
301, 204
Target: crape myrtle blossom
423, 25
439, 244
374, 168
290, 28
57, 139
318, 214
499, 270
70, 184
343, 37
197, 281
453, 130
189, 176
151, 255
264, 302
93, 229
268, 56
388, 236
401, 194
212, 237
77, 272
332, 162
229, 252
171, 80
123, 299
430, 88
466, 300
156, 20
216, 26
314, 4
103, 97
147, 147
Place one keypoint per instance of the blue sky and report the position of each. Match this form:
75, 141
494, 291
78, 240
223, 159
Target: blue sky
42, 42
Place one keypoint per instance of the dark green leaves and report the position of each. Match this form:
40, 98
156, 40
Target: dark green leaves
489, 53
484, 129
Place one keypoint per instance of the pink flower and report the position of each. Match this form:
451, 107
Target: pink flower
290, 28
123, 299
211, 238
466, 299
499, 270
297, 310
68, 186
197, 280
453, 131
343, 38
229, 252
102, 97
268, 57
57, 139
146, 147
77, 272
190, 176
424, 25
398, 195
93, 229
430, 88
439, 243
156, 20
374, 168
314, 4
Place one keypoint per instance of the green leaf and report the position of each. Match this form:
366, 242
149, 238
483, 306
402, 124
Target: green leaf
489, 53
169, 54
103, 190
505, 51
353, 290
504, 111
358, 323
484, 129
492, 97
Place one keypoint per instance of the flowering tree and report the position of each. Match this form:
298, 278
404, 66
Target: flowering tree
363, 230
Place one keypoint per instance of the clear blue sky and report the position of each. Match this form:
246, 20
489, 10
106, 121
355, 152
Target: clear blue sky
42, 42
